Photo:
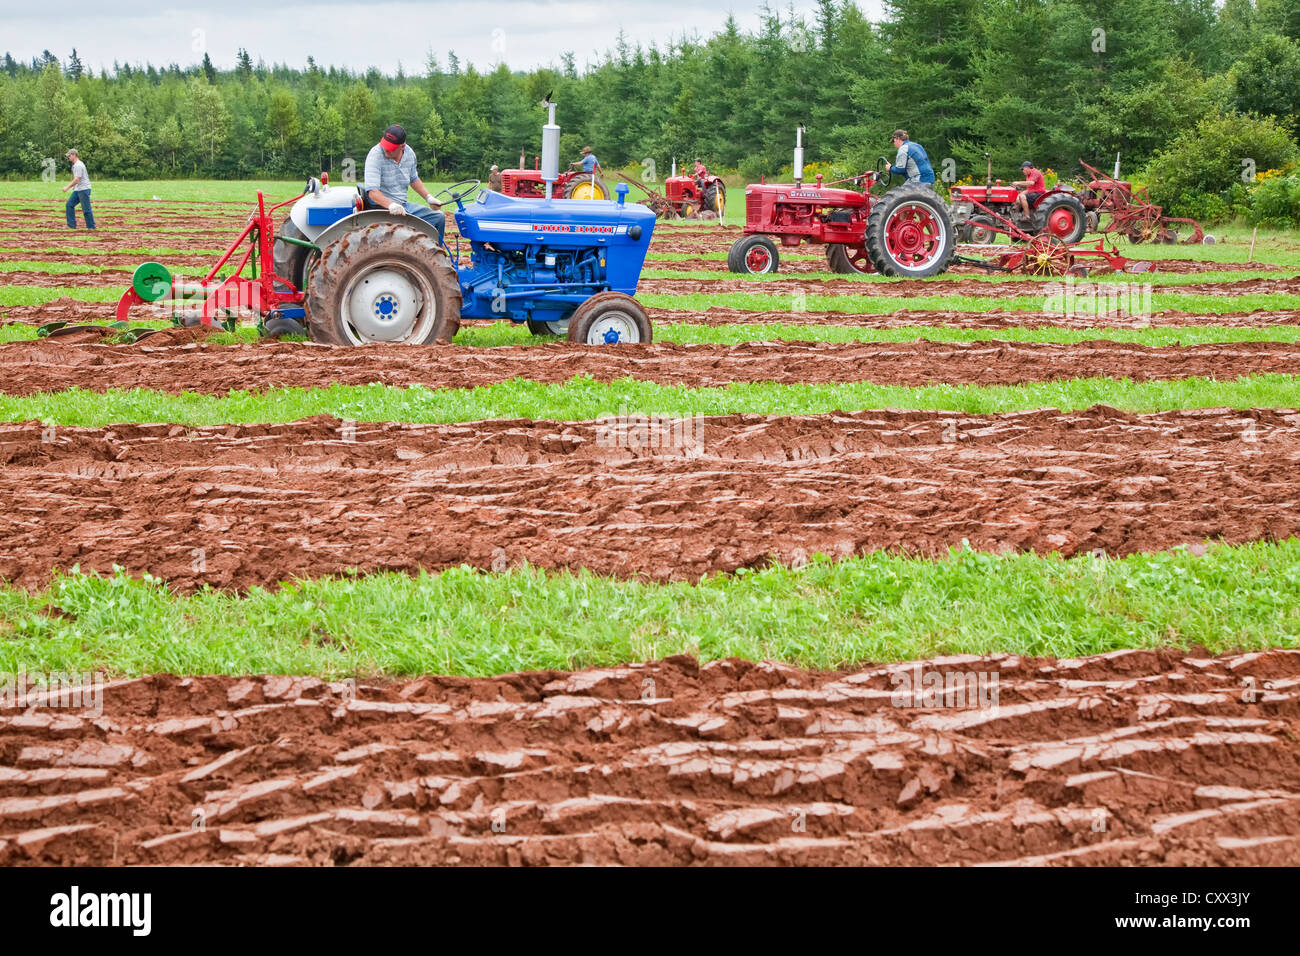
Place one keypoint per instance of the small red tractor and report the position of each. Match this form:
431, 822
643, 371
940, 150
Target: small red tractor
701, 195
905, 232
528, 184
1058, 213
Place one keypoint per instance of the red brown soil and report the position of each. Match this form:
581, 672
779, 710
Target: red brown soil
154, 362
267, 503
897, 287
1134, 757
993, 319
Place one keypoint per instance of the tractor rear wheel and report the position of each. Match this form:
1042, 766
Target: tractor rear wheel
910, 234
290, 259
753, 255
847, 259
385, 282
610, 318
1063, 217
548, 326
586, 186
715, 199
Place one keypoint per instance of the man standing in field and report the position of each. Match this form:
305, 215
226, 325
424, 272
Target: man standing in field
390, 172
80, 187
911, 161
494, 179
1032, 186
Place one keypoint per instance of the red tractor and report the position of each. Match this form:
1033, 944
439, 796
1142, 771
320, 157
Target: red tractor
528, 184
906, 232
1057, 213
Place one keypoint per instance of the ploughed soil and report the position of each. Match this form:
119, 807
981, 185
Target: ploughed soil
939, 286
51, 364
633, 495
1133, 757
1103, 317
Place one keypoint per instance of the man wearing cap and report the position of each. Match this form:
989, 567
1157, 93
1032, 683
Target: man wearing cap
494, 178
390, 172
589, 162
1032, 185
911, 162
80, 187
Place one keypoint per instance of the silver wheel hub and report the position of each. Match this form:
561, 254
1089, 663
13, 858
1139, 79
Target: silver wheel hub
385, 304
613, 328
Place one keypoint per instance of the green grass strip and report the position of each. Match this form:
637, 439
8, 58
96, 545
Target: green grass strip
879, 607
583, 399
1156, 279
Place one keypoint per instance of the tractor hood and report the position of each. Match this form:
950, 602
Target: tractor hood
507, 221
816, 195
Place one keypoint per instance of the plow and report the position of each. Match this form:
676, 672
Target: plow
1131, 212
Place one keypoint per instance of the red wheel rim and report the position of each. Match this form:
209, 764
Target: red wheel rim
913, 235
758, 259
1062, 222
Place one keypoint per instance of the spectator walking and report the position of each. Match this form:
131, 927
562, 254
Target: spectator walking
80, 187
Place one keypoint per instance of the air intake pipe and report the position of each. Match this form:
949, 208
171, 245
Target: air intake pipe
550, 149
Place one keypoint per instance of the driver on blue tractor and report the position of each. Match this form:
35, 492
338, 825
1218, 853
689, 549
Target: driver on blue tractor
911, 162
390, 172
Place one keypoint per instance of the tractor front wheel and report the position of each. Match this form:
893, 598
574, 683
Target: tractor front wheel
910, 234
385, 282
847, 259
753, 255
610, 318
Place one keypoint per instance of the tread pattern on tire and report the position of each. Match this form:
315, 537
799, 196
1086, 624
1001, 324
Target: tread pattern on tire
875, 237
585, 308
736, 254
1065, 199
581, 178
377, 242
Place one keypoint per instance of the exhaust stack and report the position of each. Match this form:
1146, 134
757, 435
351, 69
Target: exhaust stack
798, 155
550, 149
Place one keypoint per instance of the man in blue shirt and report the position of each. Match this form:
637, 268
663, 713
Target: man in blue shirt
390, 171
590, 164
911, 162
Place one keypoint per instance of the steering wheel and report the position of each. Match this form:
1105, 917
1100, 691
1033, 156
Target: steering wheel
471, 185
883, 172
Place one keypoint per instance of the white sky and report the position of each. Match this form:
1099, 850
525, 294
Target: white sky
363, 33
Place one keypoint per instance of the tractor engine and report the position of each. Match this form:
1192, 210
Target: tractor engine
535, 261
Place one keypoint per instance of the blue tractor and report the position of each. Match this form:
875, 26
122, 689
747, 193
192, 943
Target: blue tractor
562, 266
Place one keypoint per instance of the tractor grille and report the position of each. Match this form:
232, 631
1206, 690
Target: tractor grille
753, 212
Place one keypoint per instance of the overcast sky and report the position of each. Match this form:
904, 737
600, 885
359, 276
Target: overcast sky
362, 33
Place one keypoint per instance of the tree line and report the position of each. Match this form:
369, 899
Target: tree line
1046, 80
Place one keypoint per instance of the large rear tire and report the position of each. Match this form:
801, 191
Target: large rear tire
586, 186
1062, 217
715, 199
610, 318
753, 255
385, 282
910, 234
848, 260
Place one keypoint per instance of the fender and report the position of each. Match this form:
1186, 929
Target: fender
365, 218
